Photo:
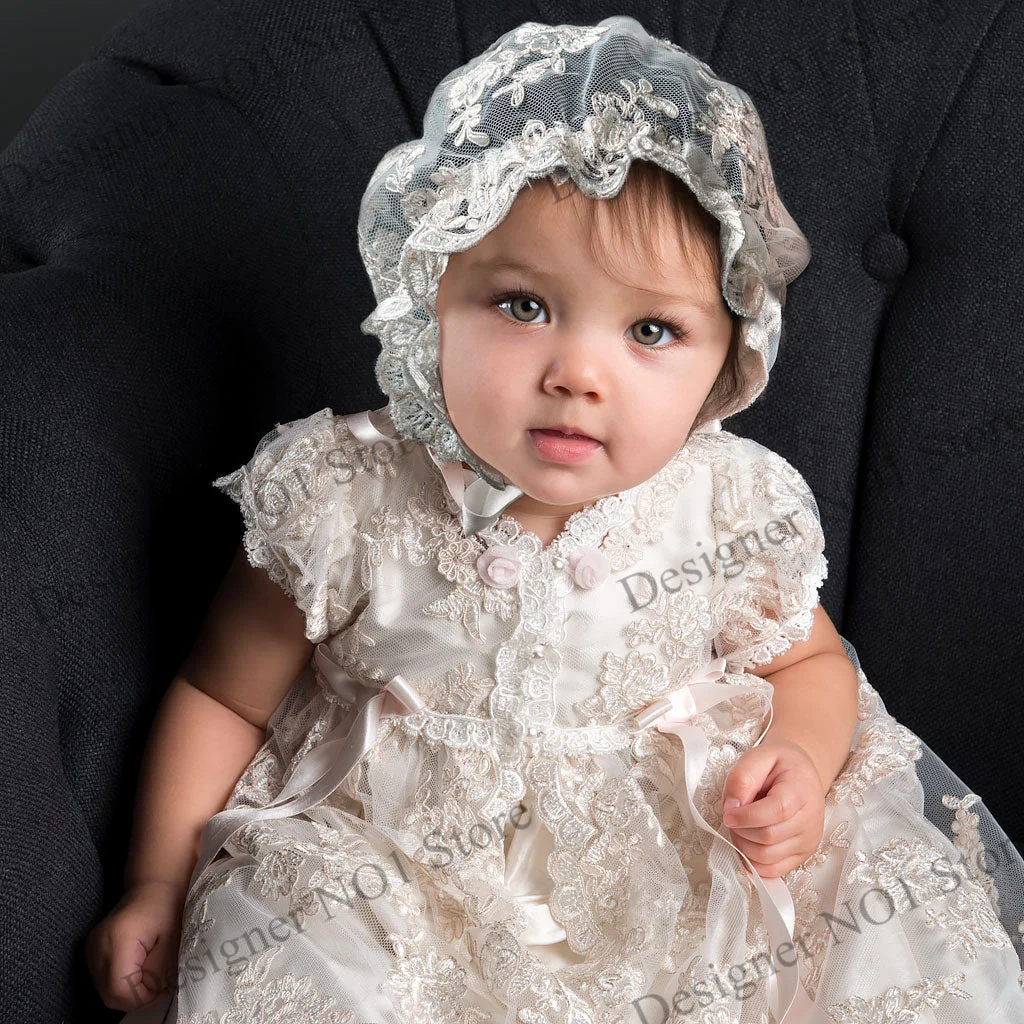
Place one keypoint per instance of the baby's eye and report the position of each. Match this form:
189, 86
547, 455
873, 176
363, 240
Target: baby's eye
651, 332
528, 306
650, 338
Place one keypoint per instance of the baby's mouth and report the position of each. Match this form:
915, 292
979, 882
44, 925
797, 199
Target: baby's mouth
555, 445
566, 432
561, 433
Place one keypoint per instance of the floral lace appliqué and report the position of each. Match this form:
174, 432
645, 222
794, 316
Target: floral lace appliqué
905, 869
259, 999
430, 988
899, 1005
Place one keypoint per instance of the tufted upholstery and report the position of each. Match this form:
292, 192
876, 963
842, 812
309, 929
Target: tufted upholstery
178, 271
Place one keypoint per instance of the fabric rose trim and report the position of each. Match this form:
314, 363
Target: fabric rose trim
499, 566
589, 567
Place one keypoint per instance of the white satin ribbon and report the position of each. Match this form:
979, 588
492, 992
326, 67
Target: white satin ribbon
541, 928
364, 430
671, 712
479, 503
324, 767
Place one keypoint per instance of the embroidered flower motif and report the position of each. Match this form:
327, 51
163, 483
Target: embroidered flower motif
499, 566
589, 567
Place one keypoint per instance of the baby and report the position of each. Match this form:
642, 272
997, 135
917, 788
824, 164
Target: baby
576, 379
587, 345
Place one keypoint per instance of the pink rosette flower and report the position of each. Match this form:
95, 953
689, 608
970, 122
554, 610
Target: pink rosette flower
589, 567
499, 566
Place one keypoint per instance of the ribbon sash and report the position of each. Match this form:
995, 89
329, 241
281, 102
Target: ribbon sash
324, 767
671, 713
480, 503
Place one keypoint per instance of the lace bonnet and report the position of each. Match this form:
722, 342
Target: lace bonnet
579, 101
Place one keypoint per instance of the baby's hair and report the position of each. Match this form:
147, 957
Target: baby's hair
649, 193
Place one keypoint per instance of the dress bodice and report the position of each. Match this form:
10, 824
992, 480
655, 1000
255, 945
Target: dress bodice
721, 548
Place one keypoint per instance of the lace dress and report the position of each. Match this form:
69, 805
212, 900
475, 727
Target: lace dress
519, 837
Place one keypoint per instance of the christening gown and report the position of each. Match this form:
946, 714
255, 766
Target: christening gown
517, 753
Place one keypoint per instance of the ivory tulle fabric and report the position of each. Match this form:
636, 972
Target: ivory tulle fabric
522, 848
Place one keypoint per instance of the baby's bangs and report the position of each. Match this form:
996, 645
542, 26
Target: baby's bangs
649, 196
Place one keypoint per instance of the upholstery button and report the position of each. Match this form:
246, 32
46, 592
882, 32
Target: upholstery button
885, 256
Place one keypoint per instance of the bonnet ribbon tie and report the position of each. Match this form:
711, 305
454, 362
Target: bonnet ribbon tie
326, 765
479, 503
671, 712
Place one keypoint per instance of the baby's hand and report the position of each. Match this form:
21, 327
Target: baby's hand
133, 952
780, 829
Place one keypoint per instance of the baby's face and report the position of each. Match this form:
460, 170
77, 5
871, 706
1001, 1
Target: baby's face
582, 351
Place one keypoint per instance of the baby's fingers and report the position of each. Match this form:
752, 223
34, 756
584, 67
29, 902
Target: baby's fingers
129, 965
778, 805
137, 977
768, 835
768, 856
780, 867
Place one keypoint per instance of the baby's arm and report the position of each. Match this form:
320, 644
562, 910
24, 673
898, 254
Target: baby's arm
213, 719
815, 700
210, 723
780, 785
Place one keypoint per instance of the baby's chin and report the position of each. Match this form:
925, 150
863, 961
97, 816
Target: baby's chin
561, 486
554, 483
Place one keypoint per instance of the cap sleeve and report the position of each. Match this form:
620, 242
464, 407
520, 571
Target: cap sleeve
775, 551
299, 520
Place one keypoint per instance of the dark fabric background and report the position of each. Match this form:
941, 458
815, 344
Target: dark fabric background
178, 272
40, 42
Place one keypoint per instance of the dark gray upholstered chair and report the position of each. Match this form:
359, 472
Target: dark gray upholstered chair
178, 272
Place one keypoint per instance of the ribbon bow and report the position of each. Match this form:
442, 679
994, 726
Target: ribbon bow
324, 767
671, 713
